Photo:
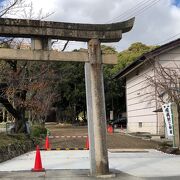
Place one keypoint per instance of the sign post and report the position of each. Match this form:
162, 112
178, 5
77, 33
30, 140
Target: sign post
111, 115
168, 118
176, 125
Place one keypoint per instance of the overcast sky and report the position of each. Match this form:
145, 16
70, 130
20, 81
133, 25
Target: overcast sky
157, 21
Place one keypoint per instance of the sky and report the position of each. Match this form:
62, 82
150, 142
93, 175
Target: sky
177, 2
156, 21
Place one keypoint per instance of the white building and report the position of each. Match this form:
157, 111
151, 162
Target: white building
141, 97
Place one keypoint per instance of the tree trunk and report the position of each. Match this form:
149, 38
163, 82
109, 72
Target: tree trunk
20, 122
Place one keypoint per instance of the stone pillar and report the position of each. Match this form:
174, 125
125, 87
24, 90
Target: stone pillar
176, 125
90, 118
41, 43
96, 110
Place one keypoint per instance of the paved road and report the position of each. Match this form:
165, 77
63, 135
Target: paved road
147, 164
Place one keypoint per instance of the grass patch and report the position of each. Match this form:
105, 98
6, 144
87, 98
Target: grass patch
6, 139
38, 133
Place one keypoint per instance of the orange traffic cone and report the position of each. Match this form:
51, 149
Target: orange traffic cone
87, 143
38, 163
110, 129
47, 144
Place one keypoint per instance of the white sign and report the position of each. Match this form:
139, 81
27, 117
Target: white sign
111, 115
167, 112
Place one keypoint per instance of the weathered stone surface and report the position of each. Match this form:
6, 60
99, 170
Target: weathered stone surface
65, 31
42, 55
96, 110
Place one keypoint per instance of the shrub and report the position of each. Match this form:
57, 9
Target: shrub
38, 131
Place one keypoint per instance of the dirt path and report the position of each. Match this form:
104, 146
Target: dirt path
114, 141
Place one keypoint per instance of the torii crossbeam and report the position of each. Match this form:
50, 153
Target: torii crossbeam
64, 31
41, 33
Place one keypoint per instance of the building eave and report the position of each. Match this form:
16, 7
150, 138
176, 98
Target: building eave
147, 56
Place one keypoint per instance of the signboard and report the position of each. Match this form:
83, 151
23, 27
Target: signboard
111, 115
167, 112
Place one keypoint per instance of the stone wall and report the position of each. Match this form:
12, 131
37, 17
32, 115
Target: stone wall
12, 150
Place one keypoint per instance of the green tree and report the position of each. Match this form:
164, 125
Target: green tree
128, 56
71, 90
114, 94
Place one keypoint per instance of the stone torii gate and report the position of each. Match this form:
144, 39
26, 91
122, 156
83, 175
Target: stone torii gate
41, 33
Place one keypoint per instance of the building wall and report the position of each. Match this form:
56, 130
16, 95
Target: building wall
141, 101
141, 97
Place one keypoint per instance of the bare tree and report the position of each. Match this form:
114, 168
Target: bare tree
28, 86
166, 81
24, 85
11, 7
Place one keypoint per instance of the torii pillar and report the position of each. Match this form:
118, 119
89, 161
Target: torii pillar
96, 109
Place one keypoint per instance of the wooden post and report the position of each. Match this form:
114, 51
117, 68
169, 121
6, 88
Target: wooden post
96, 110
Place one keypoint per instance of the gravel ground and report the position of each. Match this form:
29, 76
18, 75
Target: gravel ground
114, 141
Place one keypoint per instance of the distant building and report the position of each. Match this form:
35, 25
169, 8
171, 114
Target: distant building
143, 108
